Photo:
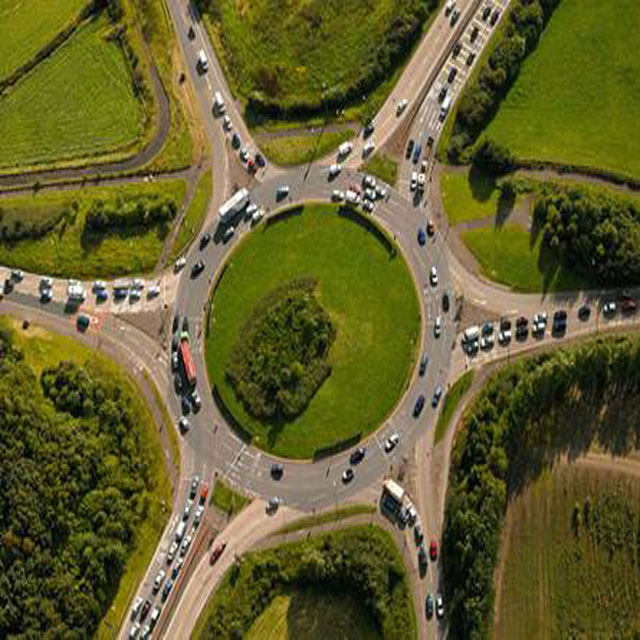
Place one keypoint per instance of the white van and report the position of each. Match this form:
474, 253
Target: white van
203, 63
182, 527
218, 103
444, 109
470, 334
344, 149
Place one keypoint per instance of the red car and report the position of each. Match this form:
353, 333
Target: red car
433, 550
203, 493
217, 552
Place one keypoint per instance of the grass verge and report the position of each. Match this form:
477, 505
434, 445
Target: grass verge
454, 395
324, 518
383, 167
288, 151
227, 500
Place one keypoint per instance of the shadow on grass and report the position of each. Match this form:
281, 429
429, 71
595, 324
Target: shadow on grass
91, 240
370, 227
482, 184
240, 431
504, 209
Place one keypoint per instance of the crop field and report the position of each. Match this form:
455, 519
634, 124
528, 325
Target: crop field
587, 112
78, 102
570, 558
313, 615
371, 299
22, 35
69, 250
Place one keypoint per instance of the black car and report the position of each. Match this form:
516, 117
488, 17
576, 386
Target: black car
175, 342
205, 239
276, 471
445, 302
474, 33
521, 332
418, 406
486, 12
197, 269
494, 17
357, 456
505, 324
560, 316
423, 364
368, 130
471, 58
456, 49
186, 405
235, 141
185, 324
347, 475
452, 74
443, 93
176, 322
584, 312
177, 383
409, 149
145, 609
260, 160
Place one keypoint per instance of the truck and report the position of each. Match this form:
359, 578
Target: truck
394, 490
187, 360
234, 205
444, 108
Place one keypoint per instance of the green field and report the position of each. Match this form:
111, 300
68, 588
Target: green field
587, 112
370, 297
228, 500
69, 250
326, 517
22, 35
302, 613
562, 578
384, 167
290, 151
79, 102
451, 401
512, 256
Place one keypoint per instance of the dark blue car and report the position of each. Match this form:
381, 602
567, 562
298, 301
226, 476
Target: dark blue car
422, 237
417, 150
417, 407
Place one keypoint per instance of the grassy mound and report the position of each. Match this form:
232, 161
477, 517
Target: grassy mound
281, 356
364, 286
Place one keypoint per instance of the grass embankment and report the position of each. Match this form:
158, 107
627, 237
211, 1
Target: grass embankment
69, 250
78, 102
383, 167
327, 517
571, 567
469, 195
454, 395
22, 36
371, 298
194, 216
294, 150
303, 613
43, 349
227, 500
356, 565
587, 112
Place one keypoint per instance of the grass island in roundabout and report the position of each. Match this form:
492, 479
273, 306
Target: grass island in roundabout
312, 330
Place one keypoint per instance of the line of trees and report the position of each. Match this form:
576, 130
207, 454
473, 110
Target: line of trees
481, 98
527, 415
597, 233
361, 561
281, 357
141, 212
74, 479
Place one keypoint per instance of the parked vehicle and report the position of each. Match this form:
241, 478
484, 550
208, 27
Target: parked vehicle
391, 442
217, 552
347, 475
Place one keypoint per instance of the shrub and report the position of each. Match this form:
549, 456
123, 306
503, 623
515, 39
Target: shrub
281, 356
142, 212
490, 157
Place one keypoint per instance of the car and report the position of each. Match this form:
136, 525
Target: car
204, 492
439, 608
381, 192
402, 105
136, 284
368, 206
186, 543
505, 324
560, 316
433, 276
540, 318
197, 269
410, 146
236, 142
449, 7
486, 343
155, 615
437, 394
422, 237
282, 191
351, 196
157, 583
218, 550
135, 629
428, 607
423, 364
442, 94
145, 634
134, 295
167, 589
474, 33
193, 489
431, 228
433, 550
153, 291
228, 234
277, 471
46, 295
136, 607
146, 607
179, 264
494, 17
185, 405
257, 216
628, 305
413, 184
522, 322
177, 382
97, 285
185, 323
417, 150
584, 312
391, 442
205, 239
413, 514
456, 49
183, 424
504, 337
187, 509
83, 321
197, 516
454, 16
445, 302
196, 402
422, 556
17, 275
357, 456
452, 75
176, 568
334, 170
171, 554
273, 504
369, 128
470, 58
437, 327
260, 161
422, 178
345, 149
226, 123
417, 533
486, 12
522, 332
418, 406
609, 309
370, 194
369, 182
487, 329
8, 285
337, 195
175, 343
46, 283
348, 475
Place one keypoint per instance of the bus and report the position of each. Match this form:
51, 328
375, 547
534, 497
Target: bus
235, 204
187, 360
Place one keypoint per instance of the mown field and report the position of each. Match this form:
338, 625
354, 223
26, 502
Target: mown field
26, 28
302, 613
570, 558
587, 112
69, 249
289, 151
371, 299
78, 102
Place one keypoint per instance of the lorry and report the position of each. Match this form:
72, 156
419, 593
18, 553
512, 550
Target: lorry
187, 360
444, 108
234, 205
393, 490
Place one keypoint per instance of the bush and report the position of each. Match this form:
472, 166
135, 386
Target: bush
491, 158
281, 357
142, 212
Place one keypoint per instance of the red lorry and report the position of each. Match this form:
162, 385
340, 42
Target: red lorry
187, 360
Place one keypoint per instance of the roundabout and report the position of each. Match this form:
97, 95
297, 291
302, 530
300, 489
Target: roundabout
363, 284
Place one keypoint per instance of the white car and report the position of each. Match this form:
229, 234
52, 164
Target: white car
134, 631
171, 554
370, 194
433, 276
414, 181
98, 285
46, 283
368, 148
391, 442
257, 216
282, 191
351, 197
228, 234
180, 263
273, 504
334, 170
46, 295
437, 327
381, 192
134, 294
153, 290
486, 343
337, 195
368, 206
344, 149
609, 308
198, 516
136, 607
402, 105
250, 210
187, 509
439, 608
505, 336
157, 583
17, 274
421, 181
186, 543
226, 123
369, 182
